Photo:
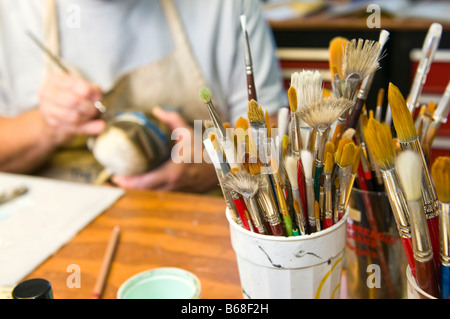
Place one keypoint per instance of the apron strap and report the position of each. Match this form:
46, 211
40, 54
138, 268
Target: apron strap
182, 45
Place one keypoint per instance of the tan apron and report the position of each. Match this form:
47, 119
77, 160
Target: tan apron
140, 89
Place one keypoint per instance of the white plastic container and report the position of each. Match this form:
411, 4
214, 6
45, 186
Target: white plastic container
301, 267
414, 291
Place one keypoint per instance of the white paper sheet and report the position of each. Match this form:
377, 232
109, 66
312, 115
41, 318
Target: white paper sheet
36, 224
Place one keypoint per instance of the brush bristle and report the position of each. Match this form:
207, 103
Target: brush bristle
378, 138
440, 173
329, 163
401, 116
323, 113
408, 167
307, 161
242, 182
340, 149
361, 57
293, 102
349, 133
205, 95
356, 159
242, 123
329, 147
308, 86
255, 112
337, 49
348, 155
290, 164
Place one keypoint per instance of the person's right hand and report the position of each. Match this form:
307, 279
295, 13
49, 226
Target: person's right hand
67, 106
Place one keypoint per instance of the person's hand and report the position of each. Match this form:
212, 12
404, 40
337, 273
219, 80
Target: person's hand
67, 106
171, 176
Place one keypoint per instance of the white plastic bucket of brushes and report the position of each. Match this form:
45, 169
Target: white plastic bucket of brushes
297, 267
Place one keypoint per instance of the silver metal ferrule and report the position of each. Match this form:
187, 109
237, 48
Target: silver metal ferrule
309, 184
255, 215
421, 241
344, 179
328, 214
397, 202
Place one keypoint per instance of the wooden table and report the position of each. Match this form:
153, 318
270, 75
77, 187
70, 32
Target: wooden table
158, 229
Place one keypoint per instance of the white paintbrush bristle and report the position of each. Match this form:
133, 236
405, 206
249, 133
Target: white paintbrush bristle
324, 112
409, 171
242, 182
307, 161
309, 87
361, 57
290, 164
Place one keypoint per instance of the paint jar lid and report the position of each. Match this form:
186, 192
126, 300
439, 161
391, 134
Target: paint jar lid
33, 289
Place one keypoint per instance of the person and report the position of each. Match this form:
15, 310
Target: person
129, 54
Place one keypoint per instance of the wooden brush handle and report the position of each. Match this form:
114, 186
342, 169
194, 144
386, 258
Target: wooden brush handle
433, 229
426, 277
251, 90
356, 112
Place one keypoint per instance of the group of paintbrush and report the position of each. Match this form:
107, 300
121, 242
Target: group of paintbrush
417, 197
271, 190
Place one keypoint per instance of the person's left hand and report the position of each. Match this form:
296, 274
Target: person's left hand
171, 176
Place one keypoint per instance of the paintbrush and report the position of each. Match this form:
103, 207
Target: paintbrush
440, 172
378, 137
273, 170
336, 50
440, 116
295, 138
59, 63
355, 165
359, 61
205, 95
408, 167
307, 161
429, 48
327, 186
379, 107
258, 128
247, 185
321, 115
239, 204
266, 197
345, 170
214, 157
407, 135
251, 89
291, 166
366, 59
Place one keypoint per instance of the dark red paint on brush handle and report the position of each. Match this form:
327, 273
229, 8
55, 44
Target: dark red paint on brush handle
353, 118
251, 88
433, 229
426, 277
